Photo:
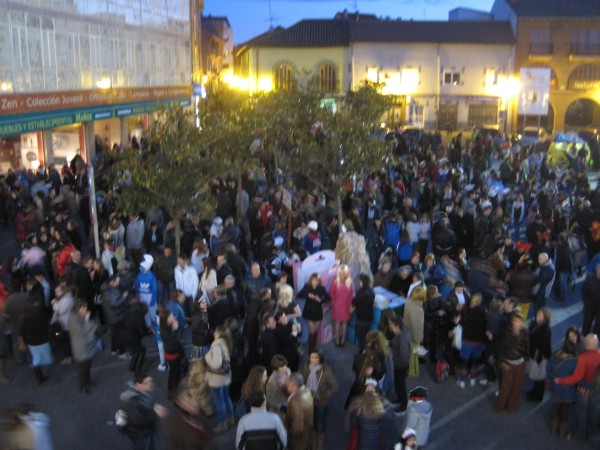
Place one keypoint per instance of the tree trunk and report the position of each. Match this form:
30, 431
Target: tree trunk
338, 199
177, 220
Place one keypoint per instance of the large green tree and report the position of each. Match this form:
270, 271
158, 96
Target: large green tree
173, 173
342, 143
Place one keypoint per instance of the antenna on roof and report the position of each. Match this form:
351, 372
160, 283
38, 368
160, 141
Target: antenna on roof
271, 18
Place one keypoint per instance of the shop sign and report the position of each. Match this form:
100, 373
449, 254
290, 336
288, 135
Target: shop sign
12, 125
53, 101
586, 85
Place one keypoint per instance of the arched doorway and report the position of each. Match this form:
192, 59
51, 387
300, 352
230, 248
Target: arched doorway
545, 122
582, 113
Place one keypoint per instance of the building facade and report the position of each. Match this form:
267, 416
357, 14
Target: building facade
446, 75
217, 46
75, 72
564, 37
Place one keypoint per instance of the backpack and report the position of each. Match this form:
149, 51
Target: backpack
442, 370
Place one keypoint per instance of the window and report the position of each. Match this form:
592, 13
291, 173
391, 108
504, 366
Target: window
491, 76
452, 78
328, 78
541, 42
585, 42
283, 77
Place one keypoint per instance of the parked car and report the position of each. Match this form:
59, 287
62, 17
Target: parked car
533, 136
493, 130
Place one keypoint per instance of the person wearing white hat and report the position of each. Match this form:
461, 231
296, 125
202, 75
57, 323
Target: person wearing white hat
408, 440
312, 241
147, 287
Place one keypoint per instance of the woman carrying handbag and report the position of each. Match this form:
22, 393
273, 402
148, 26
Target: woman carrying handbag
540, 351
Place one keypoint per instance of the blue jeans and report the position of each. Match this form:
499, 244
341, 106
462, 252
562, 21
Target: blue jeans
582, 415
163, 292
563, 280
362, 328
223, 404
320, 418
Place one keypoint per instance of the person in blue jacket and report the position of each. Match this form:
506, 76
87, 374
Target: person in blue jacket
563, 363
147, 287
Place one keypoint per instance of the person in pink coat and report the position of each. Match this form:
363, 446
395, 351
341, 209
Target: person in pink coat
341, 292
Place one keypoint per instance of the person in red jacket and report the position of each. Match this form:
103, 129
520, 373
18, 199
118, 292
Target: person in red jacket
64, 257
588, 364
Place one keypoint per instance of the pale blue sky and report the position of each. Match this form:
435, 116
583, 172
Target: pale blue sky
251, 17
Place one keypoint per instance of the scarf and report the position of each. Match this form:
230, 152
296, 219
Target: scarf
312, 382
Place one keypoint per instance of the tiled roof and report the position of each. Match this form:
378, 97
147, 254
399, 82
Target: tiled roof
306, 33
555, 8
340, 33
460, 32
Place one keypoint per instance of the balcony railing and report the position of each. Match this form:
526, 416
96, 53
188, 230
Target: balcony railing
541, 48
585, 49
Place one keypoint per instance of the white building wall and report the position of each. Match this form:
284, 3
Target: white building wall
305, 62
474, 64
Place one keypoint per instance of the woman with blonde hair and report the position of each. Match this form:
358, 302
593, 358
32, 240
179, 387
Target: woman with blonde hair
286, 303
315, 295
341, 292
414, 318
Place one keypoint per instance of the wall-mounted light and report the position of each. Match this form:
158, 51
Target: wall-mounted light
104, 83
6, 86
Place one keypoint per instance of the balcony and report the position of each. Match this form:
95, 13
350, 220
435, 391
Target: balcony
541, 49
585, 49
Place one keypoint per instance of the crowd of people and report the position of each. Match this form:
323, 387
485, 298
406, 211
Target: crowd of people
476, 253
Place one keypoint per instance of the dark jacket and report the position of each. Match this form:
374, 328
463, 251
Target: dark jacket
401, 348
474, 325
164, 268
313, 310
141, 417
326, 387
252, 287
540, 337
512, 346
369, 421
590, 290
201, 335
363, 303
80, 277
564, 258
287, 345
520, 284
219, 312
34, 327
134, 329
268, 342
113, 304
171, 339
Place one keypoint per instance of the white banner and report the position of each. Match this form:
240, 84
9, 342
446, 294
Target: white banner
535, 91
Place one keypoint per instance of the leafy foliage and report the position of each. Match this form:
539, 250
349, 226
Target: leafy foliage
172, 173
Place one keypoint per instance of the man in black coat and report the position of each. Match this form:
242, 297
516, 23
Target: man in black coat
591, 302
78, 274
268, 341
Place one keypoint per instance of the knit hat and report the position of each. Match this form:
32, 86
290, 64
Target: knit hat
313, 226
418, 392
